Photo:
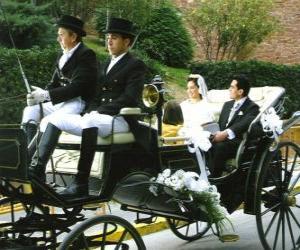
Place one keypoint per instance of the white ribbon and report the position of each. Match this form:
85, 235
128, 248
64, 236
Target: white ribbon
271, 122
200, 141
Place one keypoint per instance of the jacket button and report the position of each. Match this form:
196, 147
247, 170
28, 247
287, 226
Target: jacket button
104, 88
103, 99
110, 100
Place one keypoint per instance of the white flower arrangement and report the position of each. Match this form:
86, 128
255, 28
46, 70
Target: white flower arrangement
203, 195
271, 122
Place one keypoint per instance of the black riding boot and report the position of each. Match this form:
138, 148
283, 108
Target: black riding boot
30, 130
80, 186
44, 151
32, 146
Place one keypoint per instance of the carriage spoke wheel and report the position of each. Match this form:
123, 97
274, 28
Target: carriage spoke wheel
278, 198
103, 232
188, 230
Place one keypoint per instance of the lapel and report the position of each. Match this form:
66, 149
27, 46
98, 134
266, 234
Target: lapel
241, 109
227, 112
69, 63
106, 66
120, 64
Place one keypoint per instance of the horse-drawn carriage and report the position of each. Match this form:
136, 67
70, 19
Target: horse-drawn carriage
264, 176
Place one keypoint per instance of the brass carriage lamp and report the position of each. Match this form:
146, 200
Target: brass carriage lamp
153, 98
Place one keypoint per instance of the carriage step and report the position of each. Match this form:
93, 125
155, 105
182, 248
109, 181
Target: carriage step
148, 220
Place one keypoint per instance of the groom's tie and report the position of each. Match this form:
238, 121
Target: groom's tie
234, 108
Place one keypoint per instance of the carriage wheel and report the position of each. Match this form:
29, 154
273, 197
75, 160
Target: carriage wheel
188, 230
103, 232
278, 198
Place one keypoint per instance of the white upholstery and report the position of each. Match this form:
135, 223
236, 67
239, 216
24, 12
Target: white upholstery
65, 162
260, 95
130, 111
118, 138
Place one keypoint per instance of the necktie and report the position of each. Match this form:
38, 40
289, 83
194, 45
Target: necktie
232, 112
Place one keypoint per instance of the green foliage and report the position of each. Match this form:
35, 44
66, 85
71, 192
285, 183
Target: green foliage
138, 11
81, 8
29, 25
218, 75
227, 28
165, 38
154, 67
38, 66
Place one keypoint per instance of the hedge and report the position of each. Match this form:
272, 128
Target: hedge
38, 66
219, 74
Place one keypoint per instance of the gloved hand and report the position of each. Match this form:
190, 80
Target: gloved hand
40, 95
30, 100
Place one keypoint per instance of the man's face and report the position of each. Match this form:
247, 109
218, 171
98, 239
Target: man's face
116, 44
66, 39
234, 92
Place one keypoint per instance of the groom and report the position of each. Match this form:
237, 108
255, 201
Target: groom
235, 118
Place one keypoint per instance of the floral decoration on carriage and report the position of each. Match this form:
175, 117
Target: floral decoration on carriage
198, 196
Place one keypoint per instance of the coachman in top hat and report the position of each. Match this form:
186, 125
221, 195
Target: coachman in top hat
71, 88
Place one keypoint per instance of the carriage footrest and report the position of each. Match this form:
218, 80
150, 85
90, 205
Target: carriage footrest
148, 220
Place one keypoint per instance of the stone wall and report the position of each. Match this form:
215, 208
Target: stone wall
280, 47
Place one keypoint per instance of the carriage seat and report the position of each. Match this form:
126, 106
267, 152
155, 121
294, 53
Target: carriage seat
262, 96
65, 161
116, 138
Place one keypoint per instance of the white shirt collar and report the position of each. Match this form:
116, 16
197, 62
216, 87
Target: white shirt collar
117, 58
240, 102
71, 51
113, 61
66, 56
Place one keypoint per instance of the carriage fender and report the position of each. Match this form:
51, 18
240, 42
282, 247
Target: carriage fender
258, 163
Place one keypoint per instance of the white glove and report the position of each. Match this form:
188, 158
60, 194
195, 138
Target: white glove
30, 100
40, 95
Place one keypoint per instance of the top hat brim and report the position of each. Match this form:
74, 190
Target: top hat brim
74, 28
119, 31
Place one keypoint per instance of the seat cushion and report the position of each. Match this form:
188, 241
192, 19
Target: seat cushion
118, 138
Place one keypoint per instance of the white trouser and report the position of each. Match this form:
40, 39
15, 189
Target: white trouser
32, 113
74, 124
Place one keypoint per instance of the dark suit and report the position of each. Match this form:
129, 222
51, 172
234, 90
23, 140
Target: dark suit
239, 124
121, 87
78, 77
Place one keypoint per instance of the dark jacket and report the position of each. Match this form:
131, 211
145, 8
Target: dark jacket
78, 77
241, 119
121, 87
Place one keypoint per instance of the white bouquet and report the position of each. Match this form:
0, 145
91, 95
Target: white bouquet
200, 193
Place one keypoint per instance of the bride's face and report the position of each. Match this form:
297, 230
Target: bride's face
192, 90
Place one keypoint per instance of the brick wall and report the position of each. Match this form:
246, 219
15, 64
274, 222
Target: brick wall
282, 46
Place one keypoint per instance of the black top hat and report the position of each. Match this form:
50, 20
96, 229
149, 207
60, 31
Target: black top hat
120, 26
72, 23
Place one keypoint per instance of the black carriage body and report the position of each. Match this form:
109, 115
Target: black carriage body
13, 154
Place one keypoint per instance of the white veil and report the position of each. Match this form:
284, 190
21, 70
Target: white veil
202, 85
